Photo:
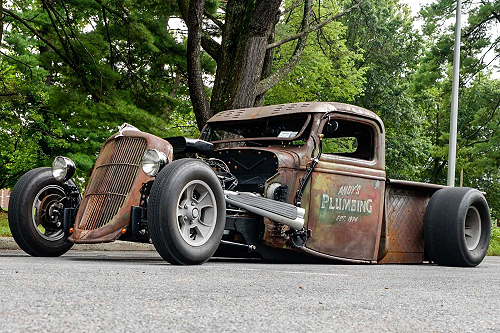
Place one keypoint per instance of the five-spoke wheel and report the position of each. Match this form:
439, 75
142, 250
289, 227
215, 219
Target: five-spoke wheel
186, 212
196, 212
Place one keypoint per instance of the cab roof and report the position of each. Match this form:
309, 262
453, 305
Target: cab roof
293, 108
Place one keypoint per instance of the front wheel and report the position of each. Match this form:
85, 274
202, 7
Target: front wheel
35, 214
186, 212
457, 227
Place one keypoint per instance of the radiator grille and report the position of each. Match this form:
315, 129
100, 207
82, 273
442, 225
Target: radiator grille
111, 181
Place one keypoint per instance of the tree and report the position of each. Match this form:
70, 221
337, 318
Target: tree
244, 57
366, 58
479, 46
479, 95
328, 71
385, 31
72, 71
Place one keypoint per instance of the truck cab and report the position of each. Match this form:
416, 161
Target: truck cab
342, 196
329, 158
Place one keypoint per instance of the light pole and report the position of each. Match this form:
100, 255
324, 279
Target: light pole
454, 98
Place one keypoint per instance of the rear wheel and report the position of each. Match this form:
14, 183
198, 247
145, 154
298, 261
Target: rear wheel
457, 227
35, 214
186, 212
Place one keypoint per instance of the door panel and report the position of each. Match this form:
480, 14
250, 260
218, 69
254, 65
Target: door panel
345, 211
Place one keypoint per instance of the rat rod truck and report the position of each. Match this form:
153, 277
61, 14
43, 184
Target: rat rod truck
285, 182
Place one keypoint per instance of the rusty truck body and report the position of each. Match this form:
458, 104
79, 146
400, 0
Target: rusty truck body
301, 181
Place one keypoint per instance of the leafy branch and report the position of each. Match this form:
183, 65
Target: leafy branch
316, 27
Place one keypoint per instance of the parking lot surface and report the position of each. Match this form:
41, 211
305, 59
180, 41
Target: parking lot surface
138, 291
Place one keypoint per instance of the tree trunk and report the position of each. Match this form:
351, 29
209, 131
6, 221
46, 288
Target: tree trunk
266, 68
244, 58
195, 74
245, 36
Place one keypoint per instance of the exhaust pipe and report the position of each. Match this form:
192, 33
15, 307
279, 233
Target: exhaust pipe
278, 211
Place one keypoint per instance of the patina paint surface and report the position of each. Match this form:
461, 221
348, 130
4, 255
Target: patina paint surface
344, 215
110, 231
293, 108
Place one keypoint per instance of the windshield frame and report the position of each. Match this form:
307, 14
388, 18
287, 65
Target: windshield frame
207, 132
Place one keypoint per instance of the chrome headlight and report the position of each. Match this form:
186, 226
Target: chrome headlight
153, 161
63, 168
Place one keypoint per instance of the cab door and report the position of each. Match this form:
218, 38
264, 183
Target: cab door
347, 189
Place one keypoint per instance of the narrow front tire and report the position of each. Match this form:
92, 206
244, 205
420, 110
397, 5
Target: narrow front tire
33, 202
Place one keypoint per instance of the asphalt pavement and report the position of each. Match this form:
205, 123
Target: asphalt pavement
88, 291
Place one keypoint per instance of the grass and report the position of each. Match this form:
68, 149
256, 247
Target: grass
494, 249
4, 224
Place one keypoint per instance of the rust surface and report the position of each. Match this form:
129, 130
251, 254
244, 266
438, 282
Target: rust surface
287, 173
275, 233
346, 200
96, 220
339, 231
293, 108
405, 209
410, 184
344, 215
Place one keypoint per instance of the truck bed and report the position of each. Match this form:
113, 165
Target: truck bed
402, 239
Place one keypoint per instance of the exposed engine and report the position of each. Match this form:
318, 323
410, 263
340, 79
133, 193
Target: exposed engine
251, 168
227, 179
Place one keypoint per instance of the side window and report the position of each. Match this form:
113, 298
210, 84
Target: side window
348, 138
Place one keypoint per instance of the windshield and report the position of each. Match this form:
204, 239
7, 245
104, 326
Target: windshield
292, 129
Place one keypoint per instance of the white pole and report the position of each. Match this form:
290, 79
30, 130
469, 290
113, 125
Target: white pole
454, 98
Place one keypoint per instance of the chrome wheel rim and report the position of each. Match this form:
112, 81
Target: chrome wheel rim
43, 205
196, 213
472, 228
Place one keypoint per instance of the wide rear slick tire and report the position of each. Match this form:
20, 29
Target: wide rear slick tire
186, 212
457, 227
31, 197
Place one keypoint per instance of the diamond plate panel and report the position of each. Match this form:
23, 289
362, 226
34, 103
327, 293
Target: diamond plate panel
405, 215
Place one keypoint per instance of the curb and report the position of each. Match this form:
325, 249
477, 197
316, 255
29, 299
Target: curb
8, 243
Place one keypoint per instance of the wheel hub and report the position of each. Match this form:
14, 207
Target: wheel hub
48, 206
46, 212
196, 213
472, 228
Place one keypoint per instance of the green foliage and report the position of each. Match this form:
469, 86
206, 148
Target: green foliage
479, 97
111, 63
384, 31
327, 71
494, 249
26, 139
340, 145
122, 61
367, 59
4, 225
